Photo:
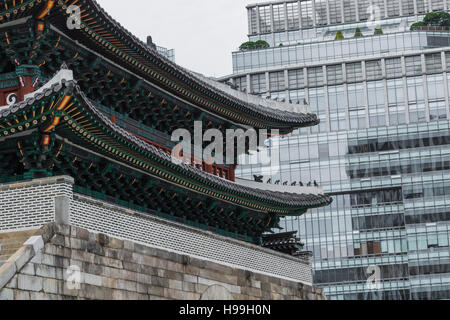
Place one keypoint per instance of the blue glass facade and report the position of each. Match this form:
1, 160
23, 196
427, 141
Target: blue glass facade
382, 149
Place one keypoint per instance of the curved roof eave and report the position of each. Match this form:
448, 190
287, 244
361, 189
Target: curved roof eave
283, 203
281, 114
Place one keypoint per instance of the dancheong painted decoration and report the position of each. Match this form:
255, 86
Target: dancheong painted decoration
95, 103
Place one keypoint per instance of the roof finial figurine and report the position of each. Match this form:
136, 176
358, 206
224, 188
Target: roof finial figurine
150, 43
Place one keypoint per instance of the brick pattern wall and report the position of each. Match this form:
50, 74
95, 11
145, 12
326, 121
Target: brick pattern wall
27, 205
116, 221
118, 269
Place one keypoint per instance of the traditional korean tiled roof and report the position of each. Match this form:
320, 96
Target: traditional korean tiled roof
294, 118
286, 242
100, 32
260, 200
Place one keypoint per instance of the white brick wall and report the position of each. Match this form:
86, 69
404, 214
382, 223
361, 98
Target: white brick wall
29, 205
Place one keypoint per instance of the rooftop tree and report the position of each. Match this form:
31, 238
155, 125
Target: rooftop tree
440, 19
378, 31
358, 33
339, 35
435, 19
250, 45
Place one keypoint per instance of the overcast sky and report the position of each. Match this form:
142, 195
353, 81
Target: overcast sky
202, 32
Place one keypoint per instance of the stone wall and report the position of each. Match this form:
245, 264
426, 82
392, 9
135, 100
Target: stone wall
66, 262
32, 204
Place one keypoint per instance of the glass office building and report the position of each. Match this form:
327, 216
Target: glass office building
382, 149
168, 53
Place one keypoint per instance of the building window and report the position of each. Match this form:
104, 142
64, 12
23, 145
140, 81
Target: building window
277, 81
437, 5
278, 96
297, 96
335, 12
448, 4
436, 97
394, 68
336, 99
375, 198
307, 14
334, 74
413, 65
296, 79
408, 7
421, 6
315, 77
253, 20
376, 9
265, 24
350, 10
393, 8
337, 103
318, 106
279, 18
354, 72
433, 62
321, 12
373, 70
363, 9
416, 100
396, 102
241, 83
293, 16
447, 60
357, 106
426, 190
258, 83
377, 110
